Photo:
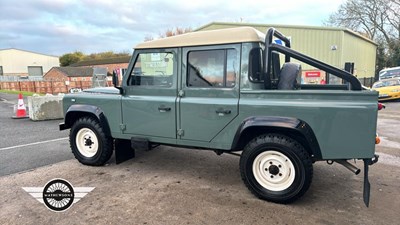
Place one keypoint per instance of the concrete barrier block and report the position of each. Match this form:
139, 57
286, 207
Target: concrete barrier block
47, 107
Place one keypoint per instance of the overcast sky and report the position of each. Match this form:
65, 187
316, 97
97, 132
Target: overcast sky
57, 27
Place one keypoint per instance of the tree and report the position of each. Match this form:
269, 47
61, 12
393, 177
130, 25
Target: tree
169, 33
379, 20
174, 32
71, 58
148, 38
380, 59
104, 55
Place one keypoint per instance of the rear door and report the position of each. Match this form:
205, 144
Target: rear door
209, 92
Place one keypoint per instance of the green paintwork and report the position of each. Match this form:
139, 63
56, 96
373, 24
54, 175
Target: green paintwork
198, 107
344, 122
140, 104
110, 104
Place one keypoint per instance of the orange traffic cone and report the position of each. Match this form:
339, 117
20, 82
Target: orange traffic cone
21, 109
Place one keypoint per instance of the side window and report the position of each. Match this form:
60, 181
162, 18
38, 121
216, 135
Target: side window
255, 65
212, 68
394, 73
153, 69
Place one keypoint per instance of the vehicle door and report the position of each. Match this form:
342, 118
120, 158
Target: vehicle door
149, 99
209, 92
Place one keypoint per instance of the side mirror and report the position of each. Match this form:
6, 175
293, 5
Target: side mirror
115, 82
115, 79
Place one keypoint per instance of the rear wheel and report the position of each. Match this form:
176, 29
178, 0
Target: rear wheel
276, 168
89, 143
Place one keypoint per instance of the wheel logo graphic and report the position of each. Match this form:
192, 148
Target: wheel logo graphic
58, 195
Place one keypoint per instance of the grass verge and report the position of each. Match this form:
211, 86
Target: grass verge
24, 93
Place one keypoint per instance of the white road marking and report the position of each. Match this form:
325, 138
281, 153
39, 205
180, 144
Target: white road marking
34, 143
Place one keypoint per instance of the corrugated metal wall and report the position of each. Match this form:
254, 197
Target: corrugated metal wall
334, 46
362, 53
16, 62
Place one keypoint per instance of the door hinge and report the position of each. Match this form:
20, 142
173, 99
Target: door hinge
122, 127
181, 93
180, 132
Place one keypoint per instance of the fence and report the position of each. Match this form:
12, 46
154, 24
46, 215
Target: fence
367, 81
53, 87
21, 78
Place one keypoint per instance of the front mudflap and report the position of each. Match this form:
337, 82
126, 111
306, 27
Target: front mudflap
367, 185
123, 151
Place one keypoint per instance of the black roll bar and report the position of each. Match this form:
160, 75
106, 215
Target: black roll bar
270, 46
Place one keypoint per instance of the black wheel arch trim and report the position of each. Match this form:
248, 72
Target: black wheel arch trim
76, 111
279, 124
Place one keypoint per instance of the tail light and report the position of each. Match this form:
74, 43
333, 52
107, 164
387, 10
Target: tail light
381, 106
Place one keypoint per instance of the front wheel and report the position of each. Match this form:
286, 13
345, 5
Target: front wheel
276, 168
89, 143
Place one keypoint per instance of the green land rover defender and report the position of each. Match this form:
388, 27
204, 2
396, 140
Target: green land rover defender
232, 91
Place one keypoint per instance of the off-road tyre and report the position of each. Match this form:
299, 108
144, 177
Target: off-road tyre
89, 143
276, 168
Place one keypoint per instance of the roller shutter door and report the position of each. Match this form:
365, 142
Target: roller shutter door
35, 71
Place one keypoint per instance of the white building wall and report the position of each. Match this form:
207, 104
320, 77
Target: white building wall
15, 62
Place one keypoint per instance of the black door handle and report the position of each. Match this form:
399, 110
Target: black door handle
164, 109
223, 111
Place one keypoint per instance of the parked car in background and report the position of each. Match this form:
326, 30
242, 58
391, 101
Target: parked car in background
389, 73
389, 89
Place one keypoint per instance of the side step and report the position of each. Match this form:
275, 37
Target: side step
140, 144
125, 149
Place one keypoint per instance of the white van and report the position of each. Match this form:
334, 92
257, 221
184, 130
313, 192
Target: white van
389, 73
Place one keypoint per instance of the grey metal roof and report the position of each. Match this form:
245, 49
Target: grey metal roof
76, 71
21, 50
116, 60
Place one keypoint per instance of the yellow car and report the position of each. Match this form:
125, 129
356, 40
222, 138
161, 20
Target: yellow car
389, 89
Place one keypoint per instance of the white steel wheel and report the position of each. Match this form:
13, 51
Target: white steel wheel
273, 171
276, 168
87, 142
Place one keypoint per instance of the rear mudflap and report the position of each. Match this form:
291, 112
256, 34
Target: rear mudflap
367, 185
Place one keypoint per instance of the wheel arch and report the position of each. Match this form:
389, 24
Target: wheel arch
294, 128
75, 112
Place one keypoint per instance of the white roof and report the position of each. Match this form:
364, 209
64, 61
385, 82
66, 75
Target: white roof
211, 37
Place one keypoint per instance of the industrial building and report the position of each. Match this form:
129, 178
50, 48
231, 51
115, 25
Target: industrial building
335, 46
22, 63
